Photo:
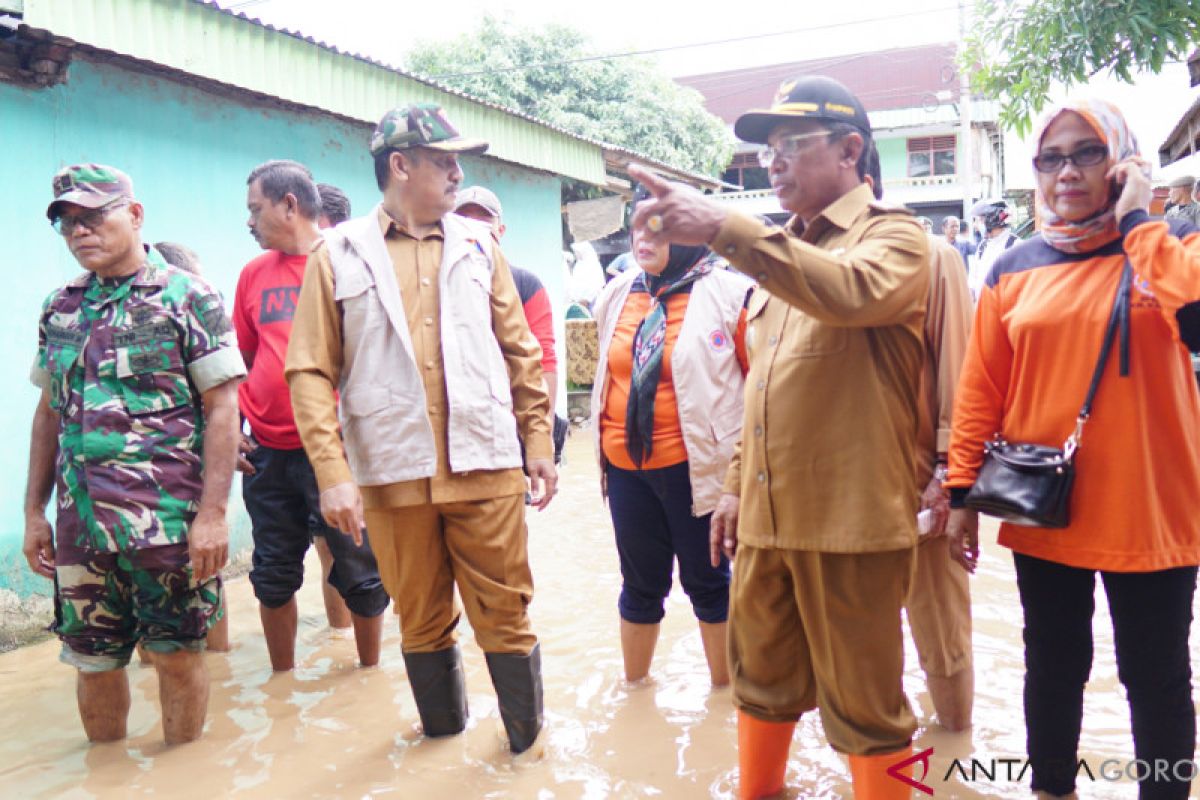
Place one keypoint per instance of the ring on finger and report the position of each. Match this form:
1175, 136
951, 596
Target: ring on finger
654, 224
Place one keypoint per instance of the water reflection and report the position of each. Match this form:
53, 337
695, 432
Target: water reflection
331, 729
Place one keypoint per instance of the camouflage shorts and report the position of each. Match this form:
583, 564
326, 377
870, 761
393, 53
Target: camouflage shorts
106, 602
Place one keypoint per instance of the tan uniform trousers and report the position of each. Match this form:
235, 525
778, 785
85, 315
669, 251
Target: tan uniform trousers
822, 630
939, 610
480, 545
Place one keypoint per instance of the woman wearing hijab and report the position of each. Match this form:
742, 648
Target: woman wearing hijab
668, 402
1041, 319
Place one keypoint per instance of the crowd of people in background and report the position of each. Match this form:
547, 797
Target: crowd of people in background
794, 415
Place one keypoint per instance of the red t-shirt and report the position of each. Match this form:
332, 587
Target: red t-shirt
263, 308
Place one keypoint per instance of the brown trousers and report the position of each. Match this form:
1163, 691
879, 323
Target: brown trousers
939, 610
423, 551
822, 630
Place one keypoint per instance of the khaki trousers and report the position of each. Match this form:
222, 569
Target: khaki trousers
822, 630
424, 551
939, 610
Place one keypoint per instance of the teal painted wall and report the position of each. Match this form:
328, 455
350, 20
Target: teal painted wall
188, 152
893, 157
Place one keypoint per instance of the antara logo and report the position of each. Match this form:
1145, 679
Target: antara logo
921, 758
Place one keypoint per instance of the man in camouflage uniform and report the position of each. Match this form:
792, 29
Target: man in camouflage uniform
138, 370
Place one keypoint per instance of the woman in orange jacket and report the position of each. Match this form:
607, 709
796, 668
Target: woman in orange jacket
1038, 330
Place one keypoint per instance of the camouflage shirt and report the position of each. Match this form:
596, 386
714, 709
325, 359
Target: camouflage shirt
125, 361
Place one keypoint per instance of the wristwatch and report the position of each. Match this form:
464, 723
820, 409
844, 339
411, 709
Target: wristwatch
940, 471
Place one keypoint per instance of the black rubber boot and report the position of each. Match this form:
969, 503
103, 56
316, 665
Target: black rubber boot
439, 687
518, 682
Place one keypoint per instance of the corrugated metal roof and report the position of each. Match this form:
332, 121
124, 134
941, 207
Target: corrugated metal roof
197, 37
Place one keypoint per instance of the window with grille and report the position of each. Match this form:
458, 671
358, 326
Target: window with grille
745, 171
932, 155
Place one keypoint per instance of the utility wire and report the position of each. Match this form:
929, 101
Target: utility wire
649, 51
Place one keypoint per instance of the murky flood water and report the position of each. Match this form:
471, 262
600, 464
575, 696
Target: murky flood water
331, 729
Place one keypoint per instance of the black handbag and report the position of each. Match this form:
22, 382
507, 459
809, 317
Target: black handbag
1030, 484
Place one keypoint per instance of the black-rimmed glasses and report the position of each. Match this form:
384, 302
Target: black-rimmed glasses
1087, 156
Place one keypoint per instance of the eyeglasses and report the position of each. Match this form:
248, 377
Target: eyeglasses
65, 225
786, 147
1087, 156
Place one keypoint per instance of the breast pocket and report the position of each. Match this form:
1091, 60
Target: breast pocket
805, 337
358, 296
150, 368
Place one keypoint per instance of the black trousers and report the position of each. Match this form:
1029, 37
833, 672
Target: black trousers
1152, 617
285, 513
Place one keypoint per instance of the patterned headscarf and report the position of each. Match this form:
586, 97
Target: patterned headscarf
1100, 229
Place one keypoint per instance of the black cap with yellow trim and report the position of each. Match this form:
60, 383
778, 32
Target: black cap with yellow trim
806, 97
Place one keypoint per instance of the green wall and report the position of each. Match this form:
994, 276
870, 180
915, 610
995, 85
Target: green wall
188, 152
893, 157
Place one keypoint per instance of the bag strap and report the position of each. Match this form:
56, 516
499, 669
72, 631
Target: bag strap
1118, 321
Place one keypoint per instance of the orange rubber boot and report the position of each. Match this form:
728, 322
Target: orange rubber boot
871, 778
762, 756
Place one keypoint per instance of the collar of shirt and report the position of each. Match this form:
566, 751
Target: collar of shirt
389, 224
148, 274
107, 290
841, 213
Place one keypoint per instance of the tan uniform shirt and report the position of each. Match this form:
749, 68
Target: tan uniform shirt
835, 339
947, 329
315, 360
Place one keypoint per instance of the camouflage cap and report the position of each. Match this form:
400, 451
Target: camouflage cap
421, 125
90, 186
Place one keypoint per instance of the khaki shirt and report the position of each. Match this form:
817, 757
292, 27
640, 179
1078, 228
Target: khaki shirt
835, 338
947, 329
315, 360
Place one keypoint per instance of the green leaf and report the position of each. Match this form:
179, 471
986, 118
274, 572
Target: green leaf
1018, 50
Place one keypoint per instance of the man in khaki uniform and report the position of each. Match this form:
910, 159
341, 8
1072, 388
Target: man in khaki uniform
939, 603
410, 315
821, 500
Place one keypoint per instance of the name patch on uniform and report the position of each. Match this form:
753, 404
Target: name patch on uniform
162, 331
278, 304
64, 337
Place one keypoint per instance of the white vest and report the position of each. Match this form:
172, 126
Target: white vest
385, 426
704, 367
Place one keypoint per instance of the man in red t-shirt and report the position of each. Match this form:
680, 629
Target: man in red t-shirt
279, 487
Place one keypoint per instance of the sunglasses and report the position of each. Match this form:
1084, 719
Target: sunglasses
65, 225
1087, 156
